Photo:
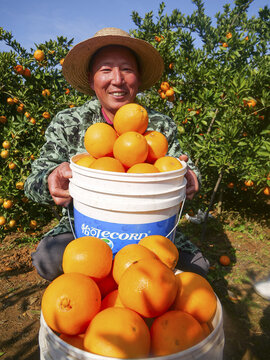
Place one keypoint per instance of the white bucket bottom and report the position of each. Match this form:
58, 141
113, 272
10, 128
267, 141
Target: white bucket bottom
211, 348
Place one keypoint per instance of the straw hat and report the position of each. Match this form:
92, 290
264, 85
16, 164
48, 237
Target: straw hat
76, 64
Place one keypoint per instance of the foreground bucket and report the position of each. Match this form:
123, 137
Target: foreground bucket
122, 208
211, 348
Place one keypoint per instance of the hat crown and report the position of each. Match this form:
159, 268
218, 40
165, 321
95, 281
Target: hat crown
111, 31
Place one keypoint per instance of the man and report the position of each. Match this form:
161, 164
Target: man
114, 67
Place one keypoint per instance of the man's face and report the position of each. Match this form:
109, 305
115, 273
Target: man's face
114, 78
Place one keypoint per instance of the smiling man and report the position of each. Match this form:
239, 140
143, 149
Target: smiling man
112, 67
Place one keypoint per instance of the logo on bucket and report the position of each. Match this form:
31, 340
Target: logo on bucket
119, 235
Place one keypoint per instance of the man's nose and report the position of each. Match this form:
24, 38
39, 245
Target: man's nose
117, 76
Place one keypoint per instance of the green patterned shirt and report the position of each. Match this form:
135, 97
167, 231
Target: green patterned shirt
65, 138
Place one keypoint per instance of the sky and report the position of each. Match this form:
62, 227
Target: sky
32, 21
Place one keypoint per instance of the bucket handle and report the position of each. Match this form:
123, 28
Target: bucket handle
179, 217
175, 226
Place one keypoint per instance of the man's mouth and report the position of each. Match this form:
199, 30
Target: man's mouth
118, 93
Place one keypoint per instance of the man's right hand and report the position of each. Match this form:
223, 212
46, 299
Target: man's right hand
58, 182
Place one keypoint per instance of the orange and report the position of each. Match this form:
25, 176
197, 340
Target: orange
10, 101
266, 191
128, 255
230, 185
70, 302
39, 55
61, 62
99, 139
225, 45
7, 204
46, 92
19, 185
249, 183
130, 117
3, 119
46, 115
12, 165
170, 92
228, 35
130, 148
224, 260
142, 168
33, 224
165, 86
163, 247
107, 163
118, 333
195, 296
107, 284
88, 255
27, 73
6, 144
85, 160
19, 69
206, 329
148, 287
4, 154
2, 220
74, 340
174, 331
157, 145
111, 299
168, 163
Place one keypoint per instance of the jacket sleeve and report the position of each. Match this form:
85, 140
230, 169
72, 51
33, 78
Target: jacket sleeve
52, 154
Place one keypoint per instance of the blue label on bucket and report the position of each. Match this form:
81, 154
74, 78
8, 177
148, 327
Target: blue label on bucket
119, 235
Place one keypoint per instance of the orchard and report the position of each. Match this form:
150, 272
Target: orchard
215, 86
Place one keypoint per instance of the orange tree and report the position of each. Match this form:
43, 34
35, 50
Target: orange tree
218, 93
32, 90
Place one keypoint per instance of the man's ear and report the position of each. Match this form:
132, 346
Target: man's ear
91, 81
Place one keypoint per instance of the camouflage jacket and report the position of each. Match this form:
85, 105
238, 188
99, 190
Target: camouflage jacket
65, 138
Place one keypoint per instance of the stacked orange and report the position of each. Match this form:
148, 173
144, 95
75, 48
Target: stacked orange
127, 146
132, 306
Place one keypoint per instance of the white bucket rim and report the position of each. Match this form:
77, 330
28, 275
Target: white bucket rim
92, 356
124, 176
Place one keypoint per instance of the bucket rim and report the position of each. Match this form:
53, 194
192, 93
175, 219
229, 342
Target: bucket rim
91, 356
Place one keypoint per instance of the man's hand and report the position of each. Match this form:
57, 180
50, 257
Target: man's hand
58, 182
192, 182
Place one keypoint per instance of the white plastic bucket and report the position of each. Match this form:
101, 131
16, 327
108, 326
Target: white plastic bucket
211, 348
122, 208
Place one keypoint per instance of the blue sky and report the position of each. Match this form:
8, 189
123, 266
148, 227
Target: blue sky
32, 21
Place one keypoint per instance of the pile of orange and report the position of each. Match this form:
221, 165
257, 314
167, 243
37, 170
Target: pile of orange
127, 146
133, 306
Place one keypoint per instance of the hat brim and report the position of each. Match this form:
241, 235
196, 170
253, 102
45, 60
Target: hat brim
76, 64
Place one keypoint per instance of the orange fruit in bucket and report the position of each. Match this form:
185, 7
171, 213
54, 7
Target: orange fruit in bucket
174, 331
74, 340
128, 255
142, 168
85, 160
107, 163
118, 333
148, 287
130, 117
111, 299
163, 247
70, 302
157, 145
99, 139
195, 296
168, 163
130, 148
88, 255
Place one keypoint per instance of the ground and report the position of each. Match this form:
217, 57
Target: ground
246, 315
